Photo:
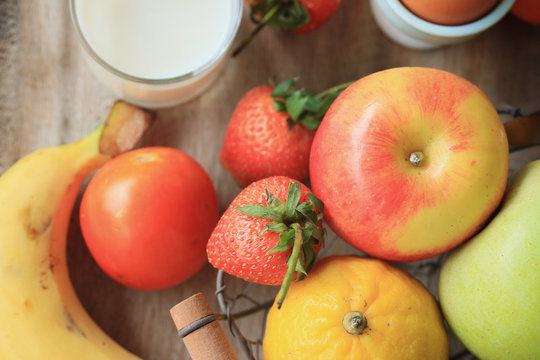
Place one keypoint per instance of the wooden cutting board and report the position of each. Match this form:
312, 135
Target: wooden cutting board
48, 96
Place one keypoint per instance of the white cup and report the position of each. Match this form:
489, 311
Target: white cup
411, 31
103, 41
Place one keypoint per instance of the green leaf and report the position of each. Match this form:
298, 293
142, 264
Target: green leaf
260, 211
293, 16
325, 104
300, 269
286, 236
277, 227
317, 235
313, 104
305, 205
282, 90
300, 277
286, 241
310, 121
317, 232
306, 234
310, 255
279, 105
274, 203
304, 106
300, 264
295, 104
319, 205
293, 197
306, 209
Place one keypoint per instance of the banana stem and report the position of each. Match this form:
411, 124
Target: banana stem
339, 87
298, 240
266, 18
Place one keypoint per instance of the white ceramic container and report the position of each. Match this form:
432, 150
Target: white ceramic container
408, 30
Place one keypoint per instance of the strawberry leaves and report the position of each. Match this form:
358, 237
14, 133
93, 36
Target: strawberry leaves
288, 14
298, 227
280, 15
261, 211
303, 106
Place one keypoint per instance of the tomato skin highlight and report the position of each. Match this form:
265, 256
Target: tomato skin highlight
146, 217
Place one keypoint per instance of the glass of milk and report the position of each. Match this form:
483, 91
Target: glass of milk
156, 53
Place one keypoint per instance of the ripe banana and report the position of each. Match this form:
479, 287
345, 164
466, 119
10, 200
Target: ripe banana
41, 316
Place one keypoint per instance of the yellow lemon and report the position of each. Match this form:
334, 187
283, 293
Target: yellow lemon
351, 307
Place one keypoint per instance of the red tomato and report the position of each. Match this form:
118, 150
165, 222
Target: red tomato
146, 216
527, 10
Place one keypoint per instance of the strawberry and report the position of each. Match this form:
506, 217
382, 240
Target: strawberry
319, 12
271, 131
270, 233
297, 16
260, 142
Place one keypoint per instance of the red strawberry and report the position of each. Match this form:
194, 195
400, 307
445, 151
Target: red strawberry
260, 142
298, 16
271, 131
320, 11
270, 233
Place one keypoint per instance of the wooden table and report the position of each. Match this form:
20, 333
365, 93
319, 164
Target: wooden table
48, 96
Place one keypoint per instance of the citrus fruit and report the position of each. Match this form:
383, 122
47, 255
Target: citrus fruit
351, 307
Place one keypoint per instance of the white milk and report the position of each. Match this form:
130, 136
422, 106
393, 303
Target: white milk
157, 52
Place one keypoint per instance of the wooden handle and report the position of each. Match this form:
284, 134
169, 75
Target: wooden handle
523, 131
197, 325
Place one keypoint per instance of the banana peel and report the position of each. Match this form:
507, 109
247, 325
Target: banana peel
40, 313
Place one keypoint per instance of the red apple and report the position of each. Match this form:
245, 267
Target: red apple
409, 162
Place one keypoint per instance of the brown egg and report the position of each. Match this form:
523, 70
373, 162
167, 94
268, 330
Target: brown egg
449, 12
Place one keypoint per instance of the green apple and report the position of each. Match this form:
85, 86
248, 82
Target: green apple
489, 288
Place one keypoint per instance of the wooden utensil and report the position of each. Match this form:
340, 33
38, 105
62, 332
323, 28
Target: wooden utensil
197, 325
523, 131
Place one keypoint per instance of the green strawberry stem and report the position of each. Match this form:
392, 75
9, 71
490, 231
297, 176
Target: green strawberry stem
337, 88
262, 23
293, 260
278, 14
303, 106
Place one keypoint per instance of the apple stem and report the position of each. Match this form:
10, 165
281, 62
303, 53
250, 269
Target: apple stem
416, 158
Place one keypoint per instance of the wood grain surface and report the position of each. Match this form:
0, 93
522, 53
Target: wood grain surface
48, 96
